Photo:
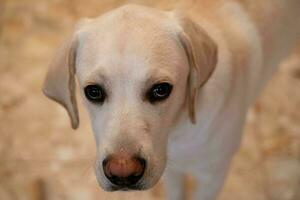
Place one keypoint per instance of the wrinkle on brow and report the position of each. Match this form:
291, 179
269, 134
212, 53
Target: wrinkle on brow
159, 75
147, 127
96, 76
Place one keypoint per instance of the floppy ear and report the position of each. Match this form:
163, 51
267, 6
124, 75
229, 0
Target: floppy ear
59, 84
201, 52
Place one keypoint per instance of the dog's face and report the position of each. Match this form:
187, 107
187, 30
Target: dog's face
137, 71
133, 76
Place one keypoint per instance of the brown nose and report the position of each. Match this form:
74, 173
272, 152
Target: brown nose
124, 170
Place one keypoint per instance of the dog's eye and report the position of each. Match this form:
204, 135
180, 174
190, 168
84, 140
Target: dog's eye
94, 93
159, 92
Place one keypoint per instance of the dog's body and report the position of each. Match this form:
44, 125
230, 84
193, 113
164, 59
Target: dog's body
244, 41
252, 40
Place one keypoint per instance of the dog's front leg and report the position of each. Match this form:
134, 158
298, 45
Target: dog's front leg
174, 185
210, 181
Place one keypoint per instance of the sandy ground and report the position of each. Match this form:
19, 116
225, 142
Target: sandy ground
41, 158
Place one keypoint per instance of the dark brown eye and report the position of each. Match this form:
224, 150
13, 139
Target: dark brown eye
159, 92
94, 93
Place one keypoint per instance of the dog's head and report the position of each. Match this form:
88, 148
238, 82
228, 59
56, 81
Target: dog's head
138, 69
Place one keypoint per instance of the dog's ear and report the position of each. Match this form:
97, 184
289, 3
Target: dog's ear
201, 52
59, 84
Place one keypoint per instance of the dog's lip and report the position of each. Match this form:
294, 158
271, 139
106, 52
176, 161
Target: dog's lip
138, 186
126, 188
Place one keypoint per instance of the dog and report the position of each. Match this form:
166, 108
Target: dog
167, 92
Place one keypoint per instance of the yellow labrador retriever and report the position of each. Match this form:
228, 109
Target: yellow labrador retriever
173, 86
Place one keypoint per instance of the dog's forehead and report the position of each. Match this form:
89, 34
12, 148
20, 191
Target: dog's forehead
129, 37
129, 16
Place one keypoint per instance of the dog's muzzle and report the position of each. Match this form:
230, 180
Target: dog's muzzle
124, 171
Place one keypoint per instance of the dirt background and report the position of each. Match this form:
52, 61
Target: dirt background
41, 158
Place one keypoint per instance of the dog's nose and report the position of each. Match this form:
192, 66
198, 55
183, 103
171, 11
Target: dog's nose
124, 170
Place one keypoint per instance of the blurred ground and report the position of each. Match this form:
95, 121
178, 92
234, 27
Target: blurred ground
41, 158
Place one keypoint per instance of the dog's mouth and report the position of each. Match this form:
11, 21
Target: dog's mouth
122, 184
126, 188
